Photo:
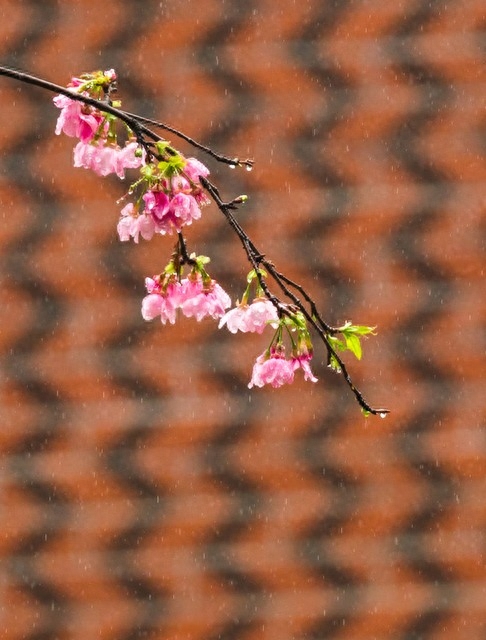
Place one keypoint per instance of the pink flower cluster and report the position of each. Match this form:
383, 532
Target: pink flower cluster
272, 367
168, 197
103, 158
94, 151
175, 203
191, 295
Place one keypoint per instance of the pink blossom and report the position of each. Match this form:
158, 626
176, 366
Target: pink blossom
199, 300
110, 74
261, 313
99, 158
75, 120
132, 225
163, 303
145, 226
272, 368
235, 319
157, 205
124, 228
171, 214
179, 183
193, 169
303, 362
151, 306
254, 317
84, 155
126, 159
153, 285
201, 198
104, 158
185, 209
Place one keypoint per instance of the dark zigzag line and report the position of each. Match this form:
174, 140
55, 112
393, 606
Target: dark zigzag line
48, 312
207, 53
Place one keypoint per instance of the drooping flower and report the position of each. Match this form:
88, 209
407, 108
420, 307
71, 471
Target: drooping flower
180, 184
152, 306
184, 209
97, 157
194, 169
200, 299
76, 119
133, 225
128, 158
157, 205
261, 312
171, 214
235, 319
160, 301
124, 227
103, 158
272, 367
254, 317
303, 362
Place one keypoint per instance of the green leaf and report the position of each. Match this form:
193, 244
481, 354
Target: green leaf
362, 330
358, 329
353, 344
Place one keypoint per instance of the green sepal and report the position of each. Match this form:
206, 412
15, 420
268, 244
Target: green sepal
147, 171
172, 167
253, 274
201, 260
361, 330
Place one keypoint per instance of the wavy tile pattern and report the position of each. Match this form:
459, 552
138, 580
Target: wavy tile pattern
146, 493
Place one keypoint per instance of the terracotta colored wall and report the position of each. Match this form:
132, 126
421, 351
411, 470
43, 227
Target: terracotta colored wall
146, 493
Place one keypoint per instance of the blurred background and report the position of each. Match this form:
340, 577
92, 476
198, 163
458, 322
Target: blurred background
145, 491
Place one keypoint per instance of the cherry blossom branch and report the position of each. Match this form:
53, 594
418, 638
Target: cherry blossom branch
256, 259
168, 196
135, 122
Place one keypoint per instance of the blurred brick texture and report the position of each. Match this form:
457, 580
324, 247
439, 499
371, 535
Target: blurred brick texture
145, 491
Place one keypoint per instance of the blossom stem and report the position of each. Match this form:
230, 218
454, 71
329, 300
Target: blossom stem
194, 143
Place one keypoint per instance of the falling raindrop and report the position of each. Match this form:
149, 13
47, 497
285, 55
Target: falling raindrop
249, 167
